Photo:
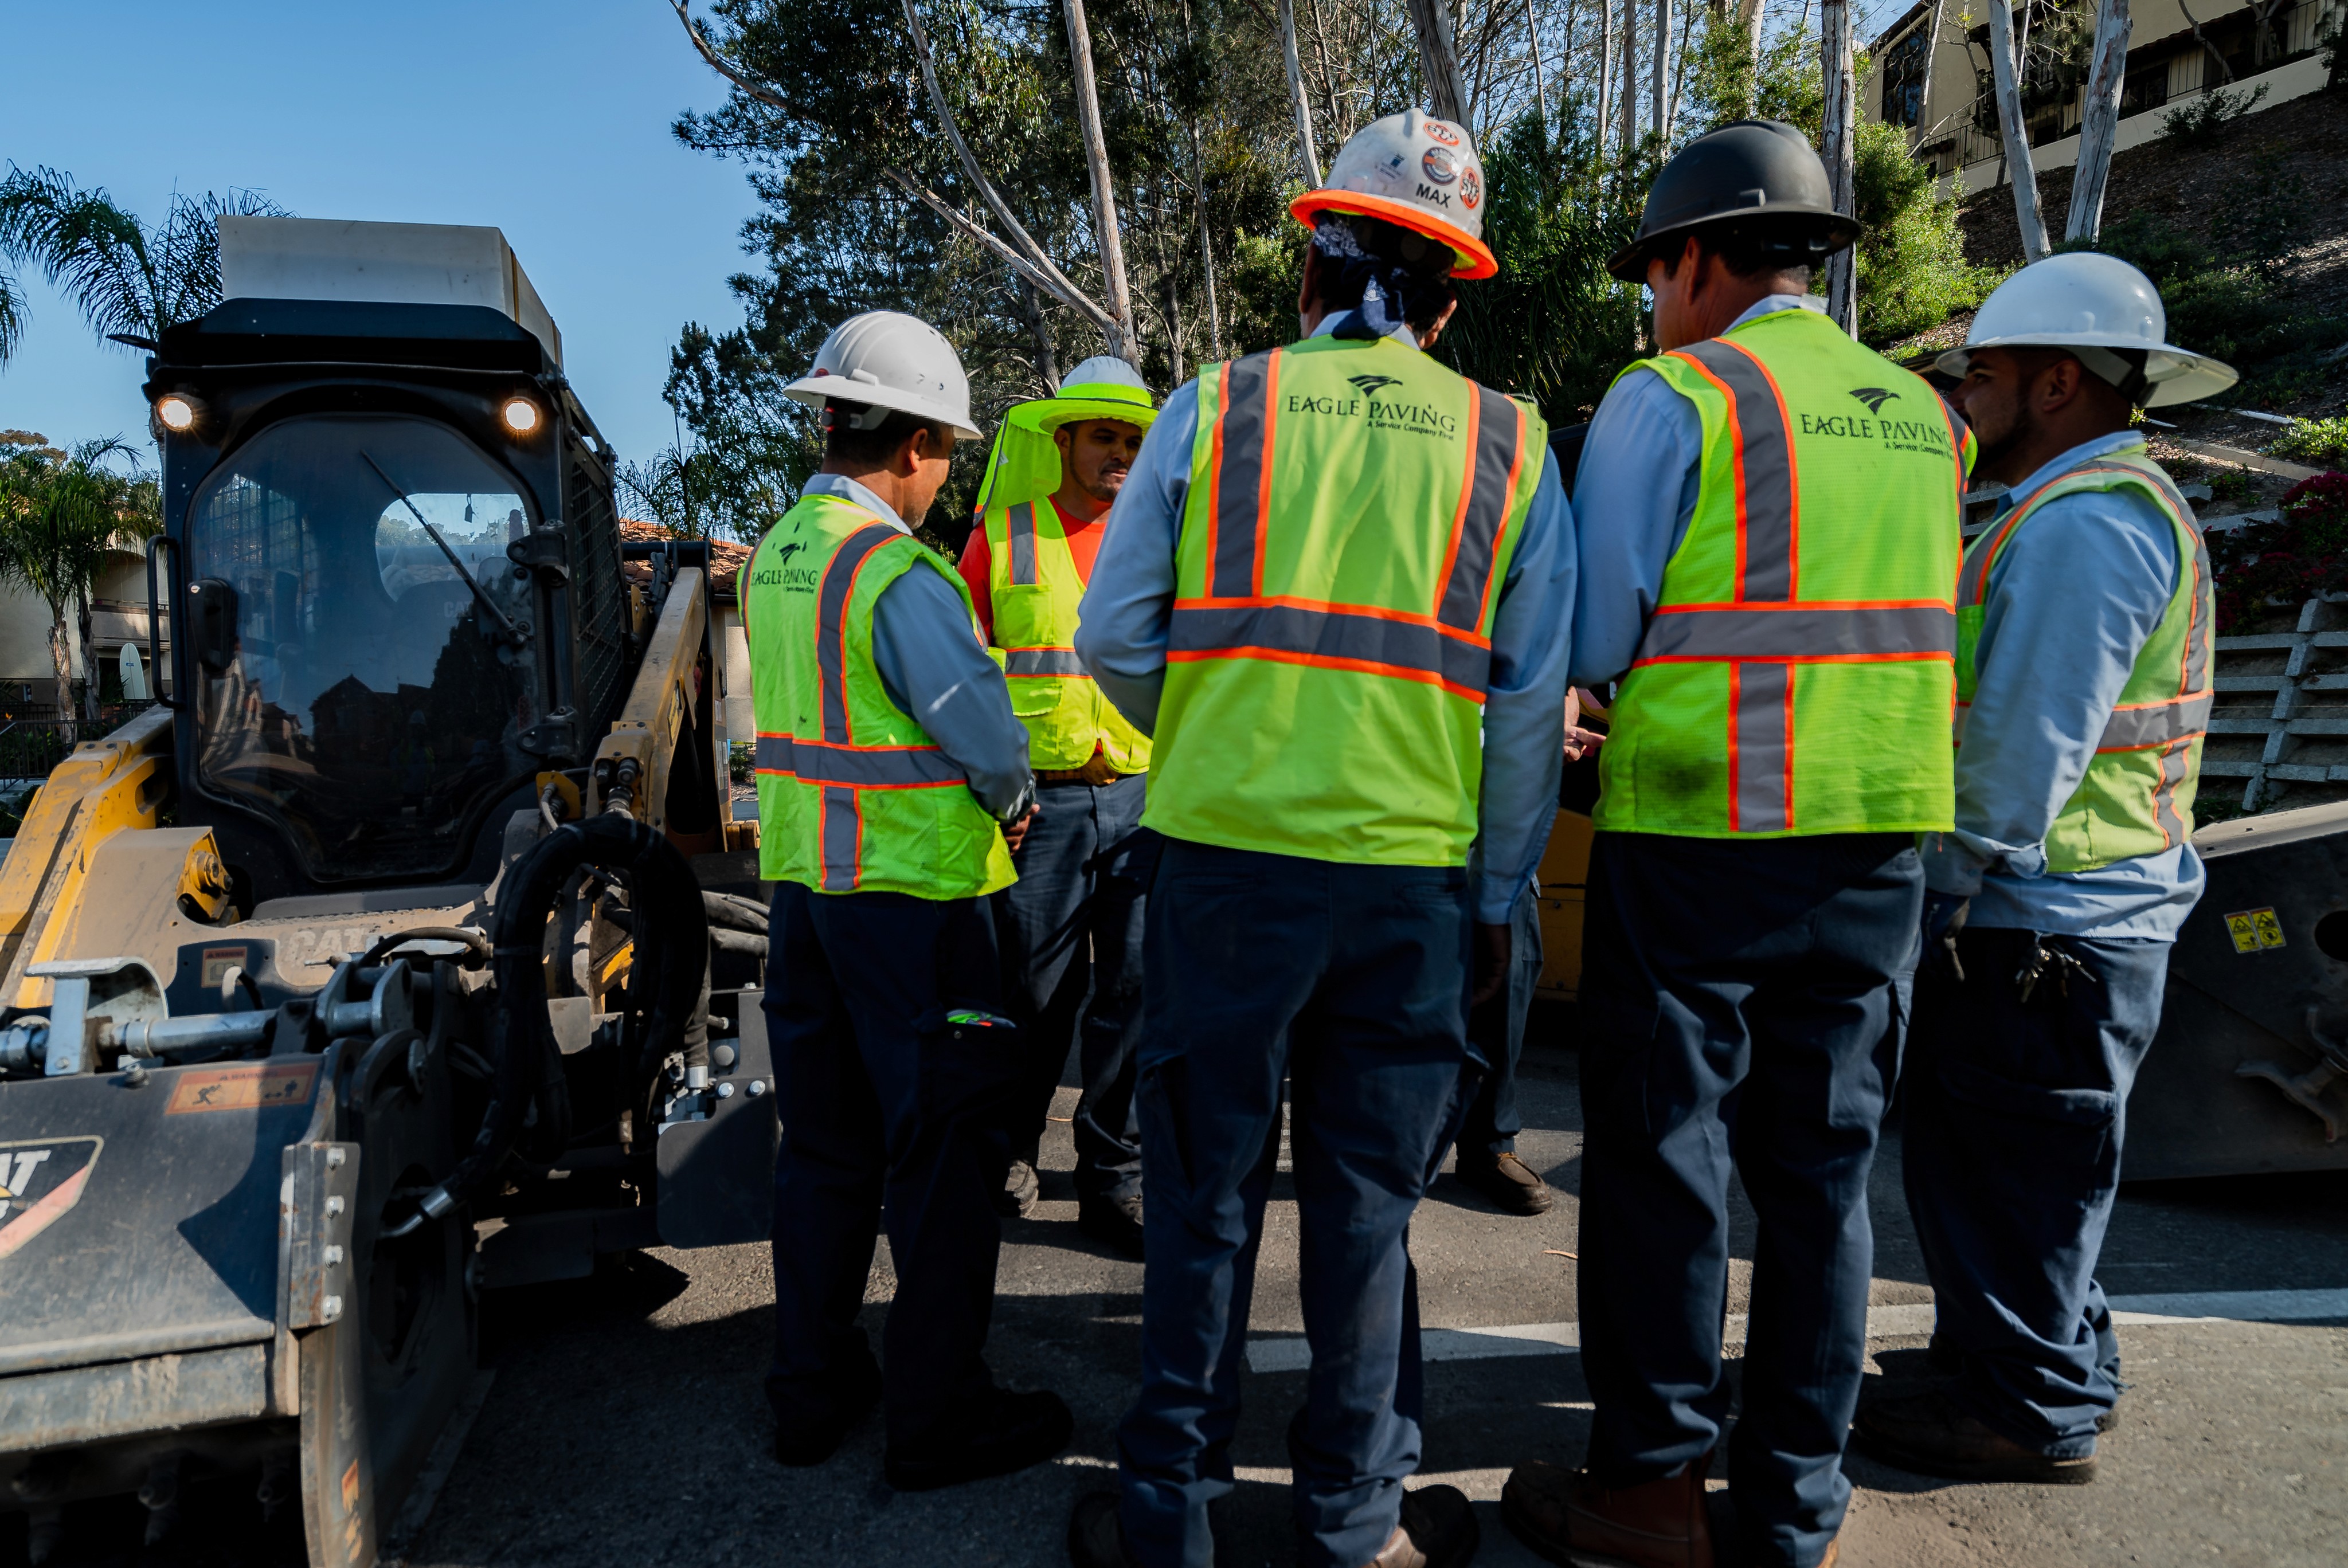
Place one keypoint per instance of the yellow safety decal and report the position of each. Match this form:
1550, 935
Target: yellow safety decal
39, 1181
2253, 929
254, 1088
219, 961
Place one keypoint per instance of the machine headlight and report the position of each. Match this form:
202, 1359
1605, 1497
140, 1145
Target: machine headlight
520, 415
177, 413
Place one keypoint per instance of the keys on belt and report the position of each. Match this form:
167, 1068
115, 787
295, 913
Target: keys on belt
1097, 770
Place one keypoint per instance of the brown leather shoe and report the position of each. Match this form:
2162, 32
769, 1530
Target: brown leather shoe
1438, 1529
1930, 1434
1567, 1517
1513, 1187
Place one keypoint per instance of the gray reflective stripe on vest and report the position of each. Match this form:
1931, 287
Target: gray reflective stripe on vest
1798, 632
843, 841
1242, 426
857, 767
1373, 643
1764, 455
1041, 661
1761, 724
1484, 511
1022, 529
2143, 724
2173, 764
830, 628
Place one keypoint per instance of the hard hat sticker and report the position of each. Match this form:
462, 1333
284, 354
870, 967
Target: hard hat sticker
2254, 930
39, 1181
1440, 166
1442, 133
254, 1088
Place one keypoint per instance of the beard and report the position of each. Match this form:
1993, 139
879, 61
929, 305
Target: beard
1994, 448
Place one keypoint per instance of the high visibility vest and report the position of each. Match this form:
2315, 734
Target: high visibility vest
1353, 510
1033, 580
2138, 796
854, 794
1799, 665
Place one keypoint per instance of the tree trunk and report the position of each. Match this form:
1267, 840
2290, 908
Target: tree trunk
1679, 72
1089, 123
1605, 72
1296, 95
1439, 58
2100, 128
90, 681
1834, 52
1627, 105
1205, 243
1662, 71
1047, 363
1748, 16
1540, 88
61, 659
1931, 58
2016, 133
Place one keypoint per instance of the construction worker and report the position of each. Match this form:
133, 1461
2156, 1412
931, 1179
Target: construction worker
1071, 925
1334, 564
2086, 614
1768, 569
893, 786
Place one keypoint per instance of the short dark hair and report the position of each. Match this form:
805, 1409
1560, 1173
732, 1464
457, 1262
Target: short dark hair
1414, 271
1753, 248
878, 445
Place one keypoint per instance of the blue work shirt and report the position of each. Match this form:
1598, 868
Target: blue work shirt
2071, 601
1128, 608
1642, 467
933, 667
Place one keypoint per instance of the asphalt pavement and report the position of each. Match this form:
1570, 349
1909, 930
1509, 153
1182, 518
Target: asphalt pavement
626, 1426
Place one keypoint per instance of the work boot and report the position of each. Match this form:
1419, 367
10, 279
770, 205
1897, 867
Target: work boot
1942, 1358
1437, 1531
1001, 1433
1020, 1190
809, 1436
1928, 1434
1568, 1518
1511, 1186
1114, 1221
1096, 1536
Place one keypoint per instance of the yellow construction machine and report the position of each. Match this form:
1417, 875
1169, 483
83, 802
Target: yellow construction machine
370, 969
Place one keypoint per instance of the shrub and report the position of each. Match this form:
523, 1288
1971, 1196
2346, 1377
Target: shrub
2203, 122
2316, 441
2264, 567
1912, 272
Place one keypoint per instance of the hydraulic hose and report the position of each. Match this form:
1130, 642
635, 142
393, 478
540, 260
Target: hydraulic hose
672, 937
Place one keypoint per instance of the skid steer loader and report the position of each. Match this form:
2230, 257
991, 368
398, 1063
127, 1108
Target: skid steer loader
370, 969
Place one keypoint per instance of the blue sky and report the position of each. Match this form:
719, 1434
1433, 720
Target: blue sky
548, 120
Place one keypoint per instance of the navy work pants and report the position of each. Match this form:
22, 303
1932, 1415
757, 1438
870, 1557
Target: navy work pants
1071, 930
1739, 1002
884, 1107
1350, 981
1497, 1028
2012, 1113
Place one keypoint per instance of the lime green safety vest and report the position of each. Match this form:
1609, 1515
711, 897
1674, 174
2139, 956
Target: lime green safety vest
1032, 579
1353, 510
2138, 796
1798, 672
853, 795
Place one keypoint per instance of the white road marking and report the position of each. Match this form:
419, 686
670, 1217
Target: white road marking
1290, 1352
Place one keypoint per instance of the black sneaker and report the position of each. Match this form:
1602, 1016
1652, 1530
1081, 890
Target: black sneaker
1096, 1539
1930, 1434
802, 1438
1113, 1222
1020, 1190
1003, 1431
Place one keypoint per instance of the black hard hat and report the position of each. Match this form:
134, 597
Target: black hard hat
1747, 168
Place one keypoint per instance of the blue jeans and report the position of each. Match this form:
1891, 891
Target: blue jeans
1349, 982
1071, 929
1497, 1028
1738, 1002
2012, 1119
880, 1098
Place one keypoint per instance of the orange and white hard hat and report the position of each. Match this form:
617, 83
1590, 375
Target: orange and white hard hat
1418, 173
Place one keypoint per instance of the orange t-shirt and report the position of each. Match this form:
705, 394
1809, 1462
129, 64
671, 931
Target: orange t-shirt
1084, 544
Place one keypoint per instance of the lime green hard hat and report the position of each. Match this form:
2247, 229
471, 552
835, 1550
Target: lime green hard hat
1025, 463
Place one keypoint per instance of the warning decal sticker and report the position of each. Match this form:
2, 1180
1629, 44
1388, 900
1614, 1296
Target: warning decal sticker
39, 1181
254, 1088
2252, 929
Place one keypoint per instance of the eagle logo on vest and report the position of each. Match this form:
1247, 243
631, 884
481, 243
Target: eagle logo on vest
1369, 385
783, 553
1875, 397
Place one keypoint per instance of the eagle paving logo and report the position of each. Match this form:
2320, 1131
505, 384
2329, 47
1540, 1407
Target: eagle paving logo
1875, 397
1368, 385
39, 1181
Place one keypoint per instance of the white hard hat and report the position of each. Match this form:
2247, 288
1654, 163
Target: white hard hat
1419, 173
887, 360
2084, 301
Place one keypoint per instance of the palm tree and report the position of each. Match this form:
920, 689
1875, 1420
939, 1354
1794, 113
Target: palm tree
130, 279
12, 316
60, 515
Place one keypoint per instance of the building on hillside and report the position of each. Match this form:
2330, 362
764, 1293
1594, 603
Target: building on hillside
117, 615
1940, 91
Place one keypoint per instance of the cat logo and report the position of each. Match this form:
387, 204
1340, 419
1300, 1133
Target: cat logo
38, 1183
1875, 397
1368, 385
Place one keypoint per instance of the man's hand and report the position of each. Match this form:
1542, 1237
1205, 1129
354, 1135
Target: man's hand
1945, 917
1579, 743
1015, 834
1494, 948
